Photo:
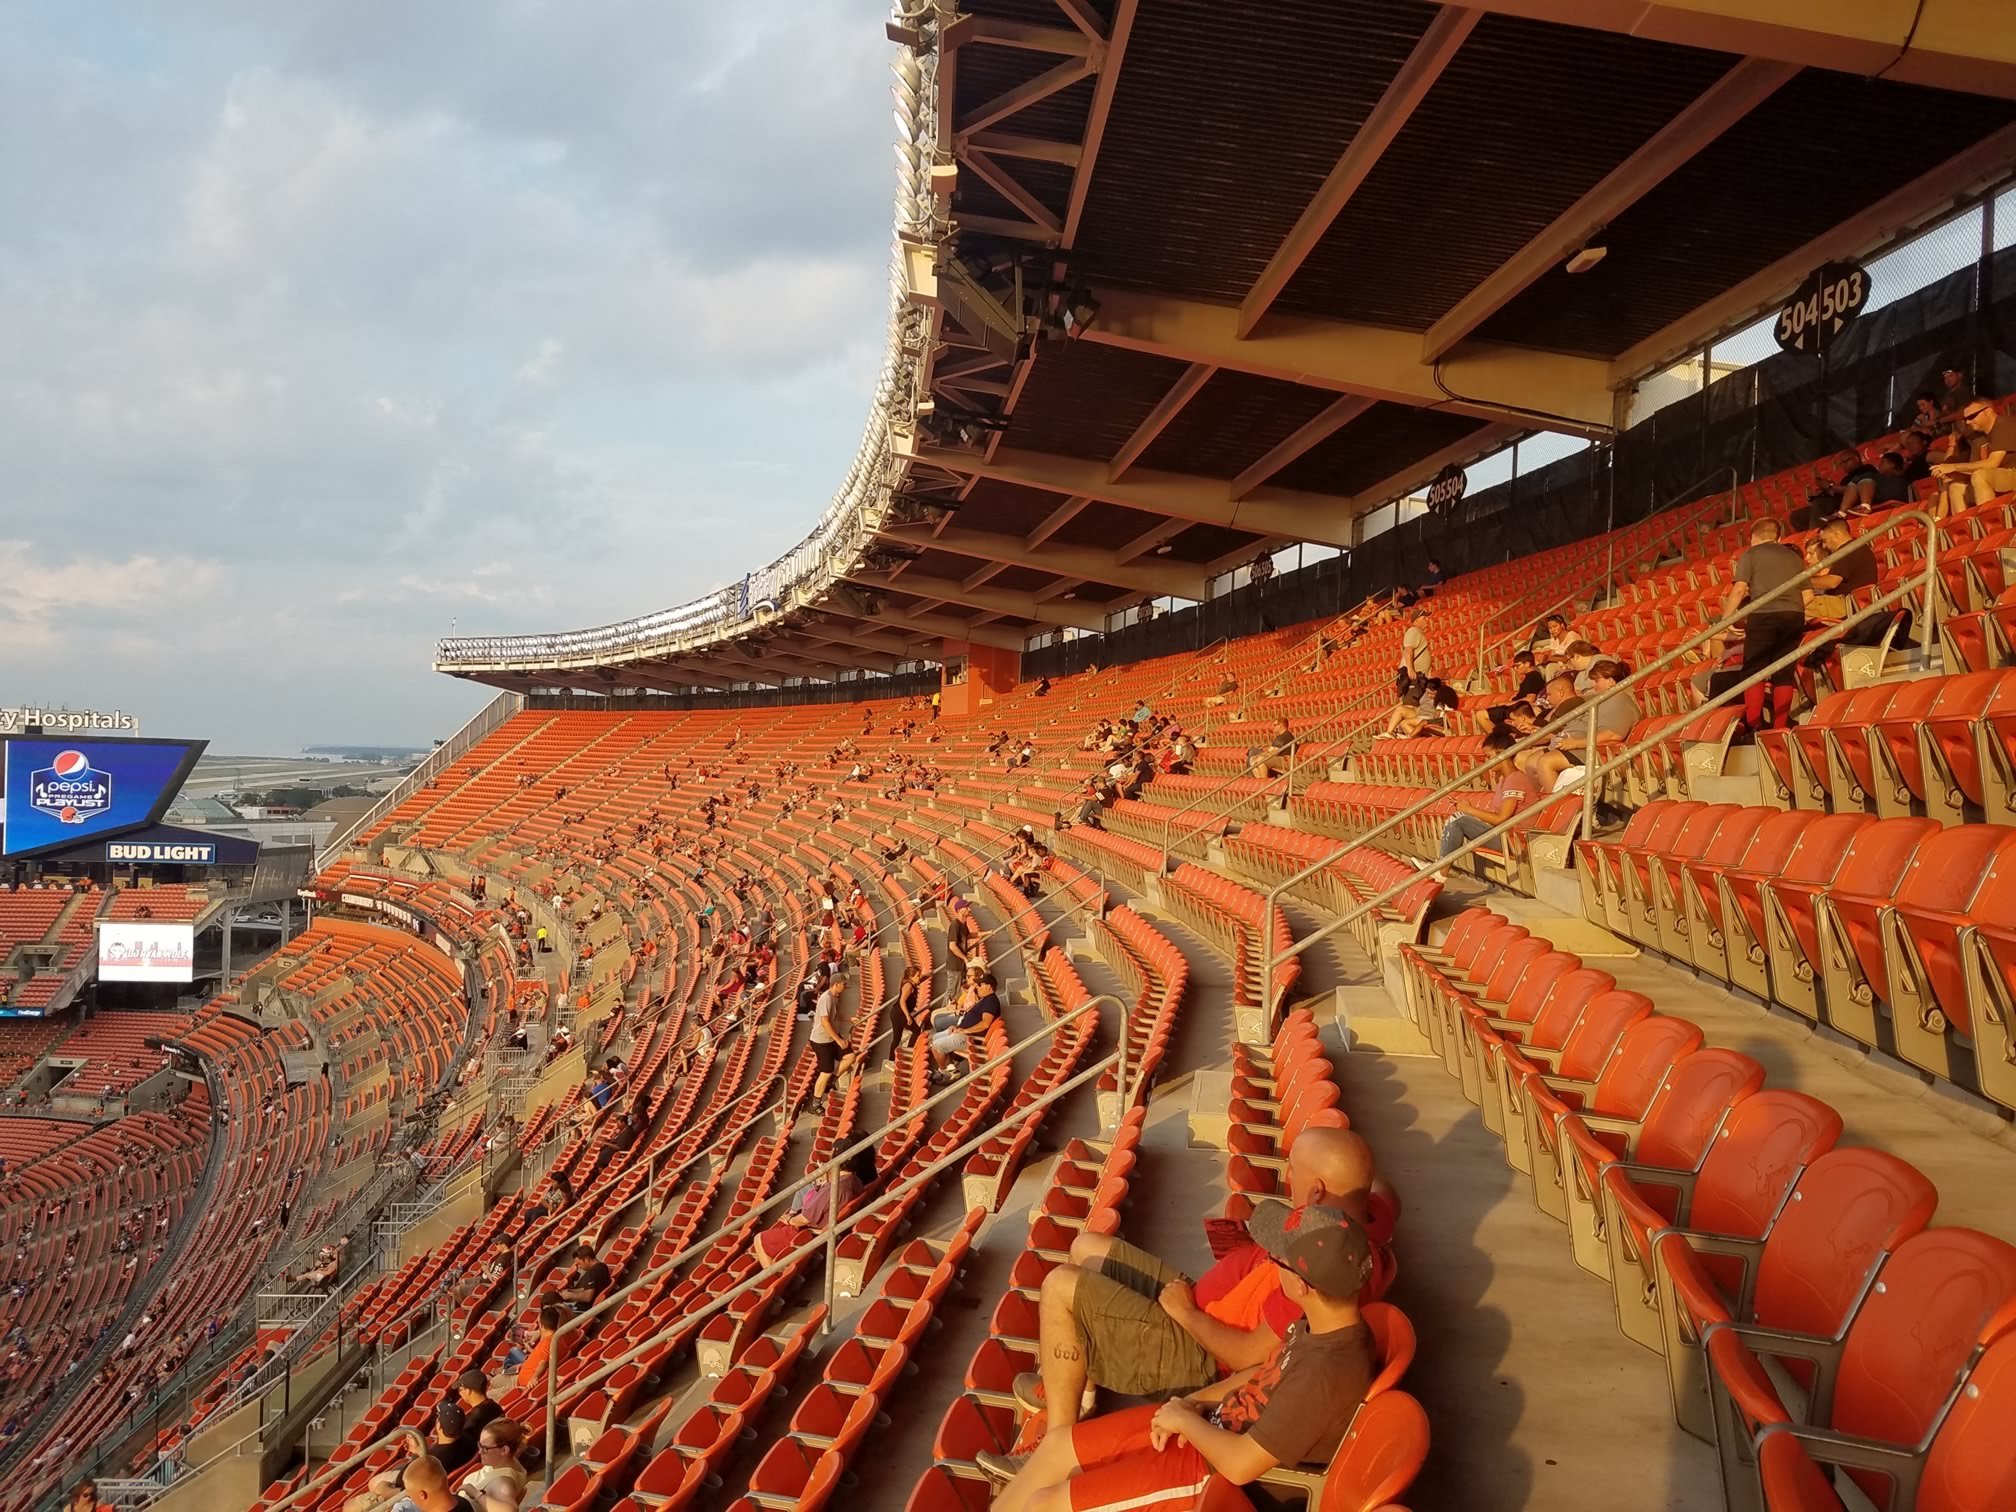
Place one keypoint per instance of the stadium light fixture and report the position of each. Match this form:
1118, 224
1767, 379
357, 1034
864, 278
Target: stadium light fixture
1587, 258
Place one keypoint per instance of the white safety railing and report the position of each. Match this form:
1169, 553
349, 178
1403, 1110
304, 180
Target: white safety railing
1595, 771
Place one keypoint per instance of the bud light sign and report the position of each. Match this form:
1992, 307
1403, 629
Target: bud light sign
64, 792
68, 790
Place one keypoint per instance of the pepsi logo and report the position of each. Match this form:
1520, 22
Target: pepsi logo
70, 763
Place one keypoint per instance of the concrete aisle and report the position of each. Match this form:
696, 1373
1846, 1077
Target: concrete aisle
1533, 1396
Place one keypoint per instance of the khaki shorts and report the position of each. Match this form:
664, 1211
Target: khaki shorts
1131, 1345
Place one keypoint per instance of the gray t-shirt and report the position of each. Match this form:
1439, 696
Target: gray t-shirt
1766, 566
1415, 654
1617, 714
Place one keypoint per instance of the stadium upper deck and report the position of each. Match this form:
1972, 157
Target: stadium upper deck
1177, 281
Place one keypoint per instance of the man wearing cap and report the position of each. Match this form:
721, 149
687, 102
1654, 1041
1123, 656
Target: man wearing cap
1117, 1317
1290, 1409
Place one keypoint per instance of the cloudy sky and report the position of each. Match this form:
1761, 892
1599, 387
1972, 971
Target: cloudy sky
328, 325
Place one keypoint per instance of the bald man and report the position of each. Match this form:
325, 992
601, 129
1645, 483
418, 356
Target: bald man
426, 1486
1116, 1316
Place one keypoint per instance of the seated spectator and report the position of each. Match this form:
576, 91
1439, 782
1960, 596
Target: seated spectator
1956, 393
1830, 595
1278, 750
1990, 467
965, 1033
1085, 807
1289, 1407
1512, 789
84, 1498
1118, 1318
426, 1486
531, 1363
1912, 447
1027, 863
1617, 714
1527, 679
1228, 689
584, 1283
498, 1481
1561, 697
1178, 755
1435, 576
809, 1211
1555, 636
1429, 714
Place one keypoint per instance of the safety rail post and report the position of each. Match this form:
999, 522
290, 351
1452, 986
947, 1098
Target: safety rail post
1686, 516
1288, 777
1593, 769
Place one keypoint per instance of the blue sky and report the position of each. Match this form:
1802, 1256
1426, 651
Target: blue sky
328, 325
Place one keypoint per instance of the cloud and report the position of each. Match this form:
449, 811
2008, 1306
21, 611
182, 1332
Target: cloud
325, 326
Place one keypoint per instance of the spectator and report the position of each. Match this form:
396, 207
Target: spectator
1955, 393
1617, 714
1042, 687
1912, 446
1830, 598
966, 1032
1417, 657
1512, 790
1027, 862
1558, 634
426, 1485
451, 1440
1527, 679
962, 935
84, 1498
1561, 697
1772, 627
1142, 712
912, 1006
585, 1282
1228, 689
1279, 749
1289, 1408
1118, 1318
809, 1212
1990, 470
497, 1483
532, 1364
826, 1035
1436, 576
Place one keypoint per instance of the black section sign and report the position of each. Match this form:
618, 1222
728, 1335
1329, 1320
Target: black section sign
1447, 489
1820, 308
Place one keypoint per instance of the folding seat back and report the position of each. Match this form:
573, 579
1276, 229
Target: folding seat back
1936, 899
1697, 831
1644, 1060
1604, 1019
1733, 836
1848, 1209
1940, 1294
1970, 1466
1490, 950
1690, 1106
1871, 873
1950, 725
1382, 1452
1867, 866
1513, 965
1530, 985
1392, 1340
1564, 1004
1897, 727
1754, 1159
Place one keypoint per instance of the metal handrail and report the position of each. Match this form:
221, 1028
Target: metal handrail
1037, 1105
1592, 768
1287, 777
665, 1268
1687, 517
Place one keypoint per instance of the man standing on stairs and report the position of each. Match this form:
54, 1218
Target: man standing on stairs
1115, 1316
1771, 629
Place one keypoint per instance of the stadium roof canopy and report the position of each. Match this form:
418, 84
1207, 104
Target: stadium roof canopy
1179, 280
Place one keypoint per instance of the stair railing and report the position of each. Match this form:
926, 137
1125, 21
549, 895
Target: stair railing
1593, 769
